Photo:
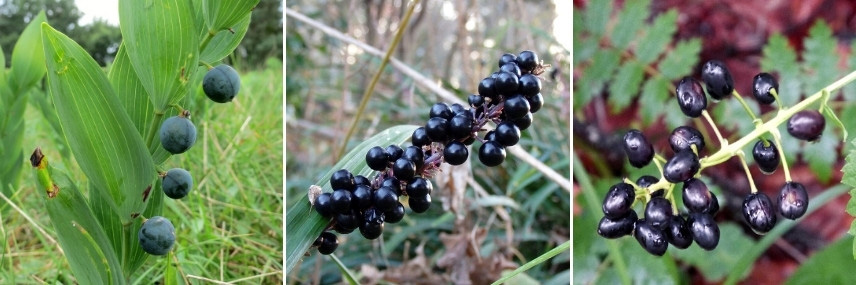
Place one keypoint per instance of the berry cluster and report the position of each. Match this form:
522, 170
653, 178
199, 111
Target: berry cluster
662, 223
507, 98
177, 134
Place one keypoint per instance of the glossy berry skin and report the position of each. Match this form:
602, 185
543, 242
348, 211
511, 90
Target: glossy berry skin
324, 205
341, 200
177, 183
419, 187
395, 214
761, 86
524, 122
362, 197
639, 151
535, 102
460, 126
718, 79
506, 83
696, 195
372, 225
156, 235
806, 125
658, 212
376, 158
618, 200
177, 134
515, 107
681, 167
510, 67
327, 243
767, 157
616, 228
529, 85
691, 97
419, 204
346, 222
714, 205
393, 183
758, 212
507, 134
651, 238
420, 137
683, 137
437, 129
361, 180
384, 198
678, 233
221, 83
491, 153
793, 200
416, 155
487, 87
455, 153
704, 230
475, 100
646, 180
393, 152
403, 169
440, 110
527, 60
507, 58
342, 179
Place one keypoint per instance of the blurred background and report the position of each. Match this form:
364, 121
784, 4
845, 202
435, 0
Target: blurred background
617, 86
483, 220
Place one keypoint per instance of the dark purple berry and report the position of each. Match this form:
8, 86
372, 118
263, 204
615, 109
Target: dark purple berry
507, 134
491, 153
377, 159
679, 233
529, 85
460, 126
506, 83
718, 79
393, 183
437, 129
510, 67
346, 223
507, 58
403, 169
714, 205
440, 110
758, 212
767, 157
696, 195
327, 243
793, 200
516, 107
384, 198
806, 125
618, 200
393, 152
395, 214
523, 122
761, 86
639, 151
704, 230
535, 102
416, 155
651, 238
419, 204
455, 153
691, 97
475, 100
487, 87
372, 225
616, 228
420, 137
684, 165
324, 205
658, 212
341, 200
646, 180
683, 137
527, 60
361, 180
342, 179
362, 197
419, 187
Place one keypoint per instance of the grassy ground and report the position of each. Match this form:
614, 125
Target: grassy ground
230, 226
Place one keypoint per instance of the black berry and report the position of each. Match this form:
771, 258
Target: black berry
696, 195
515, 107
372, 225
507, 58
681, 167
362, 197
346, 223
395, 214
717, 78
506, 83
639, 151
384, 198
177, 183
529, 85
416, 155
341, 200
510, 67
342, 179
646, 180
793, 200
436, 129
507, 134
460, 126
440, 110
419, 187
324, 205
420, 137
758, 212
658, 212
487, 87
618, 200
651, 238
616, 228
156, 235
767, 157
523, 122
455, 153
376, 158
393, 152
683, 137
327, 243
535, 102
177, 134
691, 97
806, 125
527, 60
491, 153
761, 86
403, 169
704, 230
678, 233
420, 204
475, 100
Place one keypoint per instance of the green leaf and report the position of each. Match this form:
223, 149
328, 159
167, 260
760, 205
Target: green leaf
599, 70
302, 223
538, 260
630, 20
681, 60
832, 265
584, 46
162, 43
102, 138
83, 241
655, 93
596, 16
849, 170
779, 57
820, 58
220, 15
225, 41
819, 157
657, 37
625, 85
716, 264
27, 57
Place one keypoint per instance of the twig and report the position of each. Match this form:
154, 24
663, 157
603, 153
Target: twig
432, 86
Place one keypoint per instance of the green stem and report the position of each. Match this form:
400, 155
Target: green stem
752, 188
150, 137
777, 137
783, 115
369, 91
722, 142
208, 37
745, 106
538, 260
776, 96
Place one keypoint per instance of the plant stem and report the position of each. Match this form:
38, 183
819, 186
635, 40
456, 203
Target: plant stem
150, 137
370, 90
208, 37
783, 115
745, 106
752, 188
777, 137
722, 142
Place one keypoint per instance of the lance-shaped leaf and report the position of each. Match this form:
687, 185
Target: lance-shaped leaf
83, 241
225, 41
221, 15
27, 57
99, 133
162, 44
302, 223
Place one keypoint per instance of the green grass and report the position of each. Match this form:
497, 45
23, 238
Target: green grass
229, 228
